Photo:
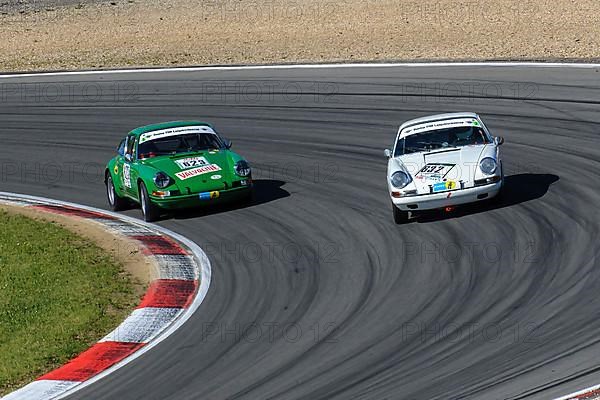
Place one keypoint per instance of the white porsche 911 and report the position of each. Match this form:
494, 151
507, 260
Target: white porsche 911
442, 161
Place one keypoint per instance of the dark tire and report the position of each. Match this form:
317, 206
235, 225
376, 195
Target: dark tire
250, 197
400, 217
500, 196
115, 202
150, 211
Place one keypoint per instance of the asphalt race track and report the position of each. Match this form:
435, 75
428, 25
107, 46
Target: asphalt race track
316, 293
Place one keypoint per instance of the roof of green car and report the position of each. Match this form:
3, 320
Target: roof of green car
166, 125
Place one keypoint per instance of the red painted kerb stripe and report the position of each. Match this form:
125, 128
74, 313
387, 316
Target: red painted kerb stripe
93, 361
169, 293
64, 210
159, 245
589, 395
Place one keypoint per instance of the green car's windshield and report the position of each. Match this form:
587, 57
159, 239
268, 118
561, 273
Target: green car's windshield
441, 138
185, 143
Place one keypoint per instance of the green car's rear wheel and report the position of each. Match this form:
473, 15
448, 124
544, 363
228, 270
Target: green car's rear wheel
115, 202
150, 211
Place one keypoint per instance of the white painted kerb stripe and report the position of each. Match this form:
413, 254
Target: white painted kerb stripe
574, 395
41, 390
143, 325
311, 66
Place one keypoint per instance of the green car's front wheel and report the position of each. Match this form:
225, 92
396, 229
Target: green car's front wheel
115, 202
151, 212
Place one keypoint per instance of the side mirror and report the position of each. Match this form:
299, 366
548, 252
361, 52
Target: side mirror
128, 157
227, 143
388, 153
499, 140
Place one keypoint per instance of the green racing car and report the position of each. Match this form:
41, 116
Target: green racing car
175, 165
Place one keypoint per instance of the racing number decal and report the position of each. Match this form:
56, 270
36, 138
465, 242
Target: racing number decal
434, 172
127, 175
191, 162
433, 169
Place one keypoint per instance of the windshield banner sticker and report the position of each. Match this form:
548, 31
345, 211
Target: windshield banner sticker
430, 126
174, 132
190, 173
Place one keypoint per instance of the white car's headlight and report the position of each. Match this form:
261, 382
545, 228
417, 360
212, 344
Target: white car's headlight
488, 166
162, 180
400, 179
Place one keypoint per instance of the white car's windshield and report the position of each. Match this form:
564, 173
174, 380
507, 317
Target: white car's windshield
441, 138
179, 144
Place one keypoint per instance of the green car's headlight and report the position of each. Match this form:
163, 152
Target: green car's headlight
162, 180
242, 168
400, 179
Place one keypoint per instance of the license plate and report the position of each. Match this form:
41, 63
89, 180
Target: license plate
209, 195
443, 186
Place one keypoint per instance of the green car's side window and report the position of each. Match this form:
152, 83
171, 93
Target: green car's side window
131, 146
121, 148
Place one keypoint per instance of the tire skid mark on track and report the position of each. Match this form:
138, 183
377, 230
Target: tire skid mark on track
166, 299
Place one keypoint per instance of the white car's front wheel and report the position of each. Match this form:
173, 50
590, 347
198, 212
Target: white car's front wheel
400, 217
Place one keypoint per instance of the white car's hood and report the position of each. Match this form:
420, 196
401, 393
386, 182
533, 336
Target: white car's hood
459, 164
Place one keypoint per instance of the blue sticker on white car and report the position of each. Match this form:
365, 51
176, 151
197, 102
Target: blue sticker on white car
443, 186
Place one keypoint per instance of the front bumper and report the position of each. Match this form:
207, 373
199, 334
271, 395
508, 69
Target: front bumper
447, 199
199, 199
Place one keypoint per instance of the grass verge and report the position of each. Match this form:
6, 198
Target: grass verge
59, 293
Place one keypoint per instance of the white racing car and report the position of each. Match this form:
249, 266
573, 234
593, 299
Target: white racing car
442, 161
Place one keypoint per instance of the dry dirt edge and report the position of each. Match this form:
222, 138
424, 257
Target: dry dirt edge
148, 33
126, 251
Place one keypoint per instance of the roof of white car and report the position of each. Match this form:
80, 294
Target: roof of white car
438, 117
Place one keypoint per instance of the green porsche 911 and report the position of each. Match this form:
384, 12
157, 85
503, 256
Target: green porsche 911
175, 165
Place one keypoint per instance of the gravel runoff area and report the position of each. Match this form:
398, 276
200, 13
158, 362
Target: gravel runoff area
67, 34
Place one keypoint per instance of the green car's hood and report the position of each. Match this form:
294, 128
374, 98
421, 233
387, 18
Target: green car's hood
199, 171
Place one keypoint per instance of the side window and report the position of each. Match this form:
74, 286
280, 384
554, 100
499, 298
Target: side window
131, 145
121, 148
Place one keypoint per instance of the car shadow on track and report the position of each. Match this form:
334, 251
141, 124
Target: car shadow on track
265, 191
518, 189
